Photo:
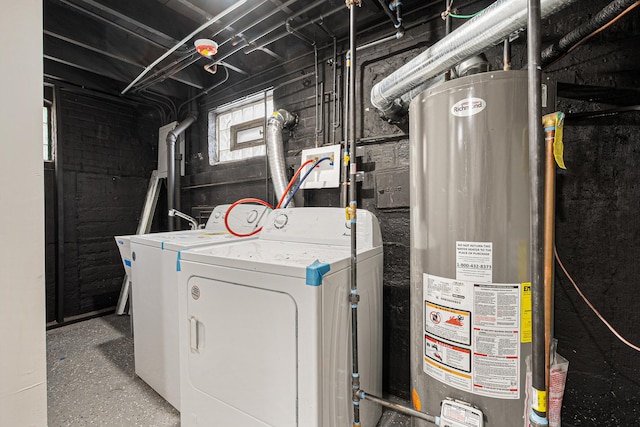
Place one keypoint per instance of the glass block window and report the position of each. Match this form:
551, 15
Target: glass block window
236, 130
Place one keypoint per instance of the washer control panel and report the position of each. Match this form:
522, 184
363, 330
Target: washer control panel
243, 218
321, 225
280, 221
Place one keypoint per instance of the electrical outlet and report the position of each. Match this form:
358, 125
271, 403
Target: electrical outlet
327, 173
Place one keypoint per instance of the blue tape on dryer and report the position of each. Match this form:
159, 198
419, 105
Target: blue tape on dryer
315, 272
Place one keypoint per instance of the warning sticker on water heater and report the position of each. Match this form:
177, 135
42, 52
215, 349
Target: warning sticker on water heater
472, 335
474, 261
447, 323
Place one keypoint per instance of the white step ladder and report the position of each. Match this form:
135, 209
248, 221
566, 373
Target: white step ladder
144, 226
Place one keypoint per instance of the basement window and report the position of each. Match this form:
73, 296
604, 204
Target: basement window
46, 134
237, 129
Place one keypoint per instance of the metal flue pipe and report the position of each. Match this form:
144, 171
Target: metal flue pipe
488, 28
275, 150
172, 137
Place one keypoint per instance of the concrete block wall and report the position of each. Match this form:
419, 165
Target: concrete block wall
108, 151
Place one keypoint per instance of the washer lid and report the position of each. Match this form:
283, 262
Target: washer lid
180, 240
243, 219
286, 258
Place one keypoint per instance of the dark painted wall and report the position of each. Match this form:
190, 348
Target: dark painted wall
108, 152
50, 240
597, 203
597, 229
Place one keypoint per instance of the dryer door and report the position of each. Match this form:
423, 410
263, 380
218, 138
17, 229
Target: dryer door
243, 353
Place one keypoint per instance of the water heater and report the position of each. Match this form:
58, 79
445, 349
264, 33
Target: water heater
470, 300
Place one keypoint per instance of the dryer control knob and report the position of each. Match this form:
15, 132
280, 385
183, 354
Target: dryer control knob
252, 216
217, 215
280, 221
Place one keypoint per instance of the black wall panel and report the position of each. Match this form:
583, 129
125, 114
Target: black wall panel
108, 151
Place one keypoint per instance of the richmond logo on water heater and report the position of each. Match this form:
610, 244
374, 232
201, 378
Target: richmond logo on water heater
468, 107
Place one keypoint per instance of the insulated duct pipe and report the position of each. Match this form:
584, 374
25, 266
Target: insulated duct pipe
490, 27
172, 137
275, 149
610, 13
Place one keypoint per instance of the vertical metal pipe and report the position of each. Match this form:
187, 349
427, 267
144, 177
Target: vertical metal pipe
538, 416
59, 178
178, 175
353, 205
171, 178
322, 112
345, 132
266, 158
317, 101
335, 93
172, 138
506, 55
549, 211
447, 30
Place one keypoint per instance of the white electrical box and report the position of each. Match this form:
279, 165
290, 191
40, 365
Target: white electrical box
327, 173
162, 149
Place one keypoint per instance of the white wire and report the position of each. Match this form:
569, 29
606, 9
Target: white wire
611, 328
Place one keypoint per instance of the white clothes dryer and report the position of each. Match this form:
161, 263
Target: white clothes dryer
265, 325
154, 292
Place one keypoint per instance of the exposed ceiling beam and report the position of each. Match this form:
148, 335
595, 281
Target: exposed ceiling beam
75, 56
56, 69
105, 20
72, 27
146, 17
187, 77
73, 24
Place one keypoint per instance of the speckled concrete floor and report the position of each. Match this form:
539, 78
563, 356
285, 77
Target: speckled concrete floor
91, 380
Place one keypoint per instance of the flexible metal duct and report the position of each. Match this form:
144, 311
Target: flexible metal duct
172, 137
490, 27
275, 149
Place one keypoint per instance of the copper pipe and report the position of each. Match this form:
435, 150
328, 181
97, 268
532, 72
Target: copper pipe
549, 211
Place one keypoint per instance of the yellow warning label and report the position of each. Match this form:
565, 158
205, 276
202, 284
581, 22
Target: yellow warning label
556, 121
539, 402
525, 312
558, 145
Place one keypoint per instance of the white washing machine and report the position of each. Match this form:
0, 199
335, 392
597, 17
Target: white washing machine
265, 325
154, 286
214, 222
